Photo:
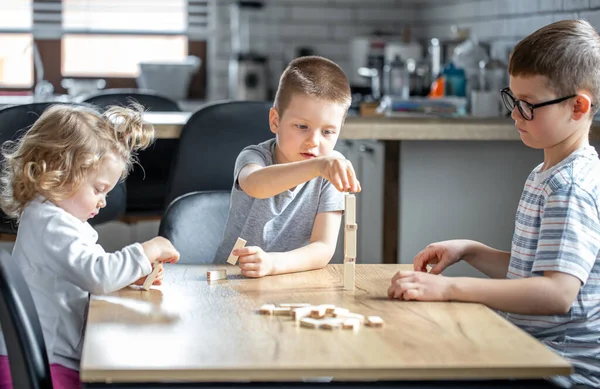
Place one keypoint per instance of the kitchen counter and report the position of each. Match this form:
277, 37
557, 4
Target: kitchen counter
417, 128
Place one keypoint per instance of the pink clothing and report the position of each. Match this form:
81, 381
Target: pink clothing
62, 377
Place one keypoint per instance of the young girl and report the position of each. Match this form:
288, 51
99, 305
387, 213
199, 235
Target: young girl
54, 179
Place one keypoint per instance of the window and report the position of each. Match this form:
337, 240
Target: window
109, 38
16, 44
117, 55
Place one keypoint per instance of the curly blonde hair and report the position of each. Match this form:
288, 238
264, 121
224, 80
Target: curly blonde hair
64, 145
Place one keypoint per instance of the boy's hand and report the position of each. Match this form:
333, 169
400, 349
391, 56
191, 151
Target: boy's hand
254, 262
340, 173
440, 254
157, 281
411, 285
160, 249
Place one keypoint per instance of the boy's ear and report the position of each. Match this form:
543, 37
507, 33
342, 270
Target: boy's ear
583, 104
274, 120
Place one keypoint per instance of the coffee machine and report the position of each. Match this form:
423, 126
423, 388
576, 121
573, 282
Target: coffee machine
248, 67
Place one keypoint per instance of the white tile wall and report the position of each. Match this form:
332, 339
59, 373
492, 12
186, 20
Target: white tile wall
502, 22
325, 25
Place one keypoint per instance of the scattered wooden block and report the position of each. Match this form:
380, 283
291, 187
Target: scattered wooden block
351, 324
309, 322
349, 275
267, 309
351, 315
374, 321
331, 324
282, 311
340, 312
350, 209
238, 244
299, 313
215, 275
295, 305
329, 308
152, 276
318, 312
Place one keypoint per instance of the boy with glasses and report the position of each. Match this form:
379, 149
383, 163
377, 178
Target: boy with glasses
549, 283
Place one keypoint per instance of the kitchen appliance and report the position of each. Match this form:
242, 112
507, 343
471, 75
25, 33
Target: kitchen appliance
248, 65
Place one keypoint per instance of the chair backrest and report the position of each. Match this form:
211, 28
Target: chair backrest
21, 328
210, 142
194, 223
148, 99
14, 121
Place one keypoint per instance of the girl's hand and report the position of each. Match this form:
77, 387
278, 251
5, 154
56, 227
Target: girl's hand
157, 281
254, 262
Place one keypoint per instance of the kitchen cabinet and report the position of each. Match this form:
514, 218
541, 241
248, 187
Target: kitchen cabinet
367, 157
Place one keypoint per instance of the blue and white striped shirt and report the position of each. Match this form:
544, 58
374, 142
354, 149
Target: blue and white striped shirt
557, 228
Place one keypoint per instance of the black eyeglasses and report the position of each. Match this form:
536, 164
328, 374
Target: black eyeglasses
525, 108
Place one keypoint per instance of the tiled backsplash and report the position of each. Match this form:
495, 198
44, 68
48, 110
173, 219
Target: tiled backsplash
328, 26
502, 23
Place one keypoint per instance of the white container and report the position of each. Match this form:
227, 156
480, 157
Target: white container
170, 79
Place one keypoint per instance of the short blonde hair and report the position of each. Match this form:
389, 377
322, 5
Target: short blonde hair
313, 76
54, 156
566, 52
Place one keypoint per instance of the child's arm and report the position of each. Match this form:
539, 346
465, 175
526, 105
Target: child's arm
551, 294
254, 262
90, 267
264, 182
490, 261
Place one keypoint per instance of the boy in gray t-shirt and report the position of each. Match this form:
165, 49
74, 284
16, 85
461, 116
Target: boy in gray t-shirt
287, 198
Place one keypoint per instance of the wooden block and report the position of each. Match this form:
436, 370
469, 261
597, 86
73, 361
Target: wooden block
238, 244
374, 321
152, 276
350, 243
309, 322
318, 312
295, 305
215, 275
299, 313
351, 315
331, 324
282, 311
351, 324
340, 312
349, 275
267, 309
329, 308
350, 209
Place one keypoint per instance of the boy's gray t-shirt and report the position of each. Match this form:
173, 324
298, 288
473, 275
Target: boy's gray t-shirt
280, 223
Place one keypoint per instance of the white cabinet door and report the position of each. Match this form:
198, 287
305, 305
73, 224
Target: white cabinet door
371, 157
349, 150
367, 157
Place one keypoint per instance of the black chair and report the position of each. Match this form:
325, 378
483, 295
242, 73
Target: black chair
194, 223
29, 366
14, 120
146, 185
210, 142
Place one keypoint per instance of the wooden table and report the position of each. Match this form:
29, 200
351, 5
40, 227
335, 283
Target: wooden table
190, 330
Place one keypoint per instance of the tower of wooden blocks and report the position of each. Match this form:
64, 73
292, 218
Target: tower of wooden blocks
350, 231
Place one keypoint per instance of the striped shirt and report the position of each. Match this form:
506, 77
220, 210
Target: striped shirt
557, 228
